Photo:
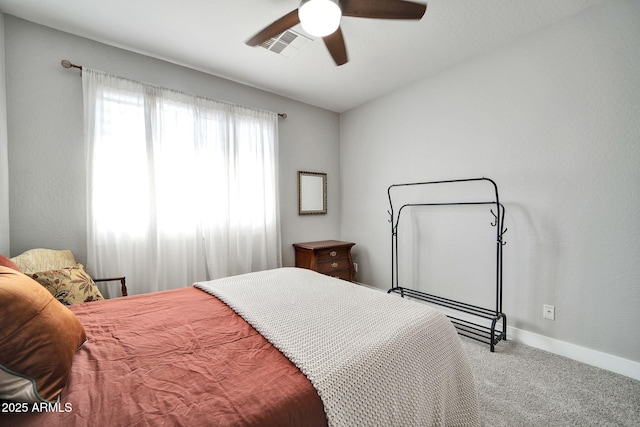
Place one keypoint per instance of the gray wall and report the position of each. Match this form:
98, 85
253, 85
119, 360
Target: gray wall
46, 154
4, 160
553, 118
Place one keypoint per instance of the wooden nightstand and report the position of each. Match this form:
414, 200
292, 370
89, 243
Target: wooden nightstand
330, 257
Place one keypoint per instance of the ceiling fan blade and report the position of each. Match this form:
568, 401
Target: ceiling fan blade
277, 27
336, 46
383, 9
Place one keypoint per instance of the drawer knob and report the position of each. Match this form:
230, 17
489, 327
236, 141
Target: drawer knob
333, 253
334, 265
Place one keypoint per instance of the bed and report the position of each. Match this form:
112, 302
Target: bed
284, 347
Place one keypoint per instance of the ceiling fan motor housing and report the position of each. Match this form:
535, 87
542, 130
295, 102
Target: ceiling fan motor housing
320, 18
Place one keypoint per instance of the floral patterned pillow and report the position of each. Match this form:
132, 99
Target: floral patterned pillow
70, 285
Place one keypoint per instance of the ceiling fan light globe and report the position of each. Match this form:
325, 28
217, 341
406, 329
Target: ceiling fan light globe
319, 18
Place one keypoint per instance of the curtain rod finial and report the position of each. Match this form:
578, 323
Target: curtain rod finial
68, 64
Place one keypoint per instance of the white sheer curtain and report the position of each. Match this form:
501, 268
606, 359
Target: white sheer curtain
179, 188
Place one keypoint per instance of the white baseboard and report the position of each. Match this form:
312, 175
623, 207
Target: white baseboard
606, 361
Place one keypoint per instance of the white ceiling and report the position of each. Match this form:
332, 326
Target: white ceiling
209, 35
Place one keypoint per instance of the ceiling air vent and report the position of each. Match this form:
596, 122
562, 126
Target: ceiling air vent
286, 44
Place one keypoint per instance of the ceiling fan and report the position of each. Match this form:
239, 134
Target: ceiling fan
321, 18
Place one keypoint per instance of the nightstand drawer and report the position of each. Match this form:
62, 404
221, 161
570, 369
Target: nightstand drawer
330, 266
329, 255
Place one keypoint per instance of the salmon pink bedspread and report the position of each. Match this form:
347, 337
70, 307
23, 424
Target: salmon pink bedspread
179, 357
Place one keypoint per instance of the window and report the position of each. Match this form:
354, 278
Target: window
180, 188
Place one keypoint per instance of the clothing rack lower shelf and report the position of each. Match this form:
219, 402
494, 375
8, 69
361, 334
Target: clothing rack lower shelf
485, 334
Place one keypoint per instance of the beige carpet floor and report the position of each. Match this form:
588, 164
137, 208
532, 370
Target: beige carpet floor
520, 385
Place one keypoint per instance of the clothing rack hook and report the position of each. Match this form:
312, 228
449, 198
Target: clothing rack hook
394, 228
494, 223
500, 237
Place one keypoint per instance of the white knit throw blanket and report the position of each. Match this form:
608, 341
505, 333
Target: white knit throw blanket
375, 359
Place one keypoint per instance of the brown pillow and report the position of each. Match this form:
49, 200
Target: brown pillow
71, 285
6, 262
38, 339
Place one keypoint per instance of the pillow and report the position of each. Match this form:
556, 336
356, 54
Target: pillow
71, 285
38, 339
6, 262
41, 259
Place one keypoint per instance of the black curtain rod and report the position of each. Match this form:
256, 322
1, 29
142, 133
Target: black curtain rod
68, 64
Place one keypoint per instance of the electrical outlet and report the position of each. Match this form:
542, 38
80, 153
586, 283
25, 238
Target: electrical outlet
355, 266
549, 312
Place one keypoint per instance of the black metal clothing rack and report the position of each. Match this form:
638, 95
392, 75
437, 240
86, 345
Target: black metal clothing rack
468, 328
